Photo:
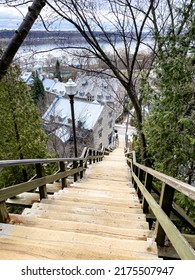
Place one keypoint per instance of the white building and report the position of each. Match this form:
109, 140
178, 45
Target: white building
93, 117
90, 87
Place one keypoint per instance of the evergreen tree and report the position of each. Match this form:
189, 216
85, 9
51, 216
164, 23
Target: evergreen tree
170, 126
21, 134
57, 71
38, 89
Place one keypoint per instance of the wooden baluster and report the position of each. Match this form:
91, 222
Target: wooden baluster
4, 215
90, 154
94, 154
140, 176
75, 164
81, 172
166, 200
135, 169
42, 189
148, 186
62, 169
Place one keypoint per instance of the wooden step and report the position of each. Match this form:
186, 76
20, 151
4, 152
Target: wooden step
98, 194
105, 185
127, 204
35, 243
95, 211
86, 218
72, 226
24, 199
84, 204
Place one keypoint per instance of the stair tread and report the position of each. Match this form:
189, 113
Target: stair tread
49, 214
87, 204
41, 243
106, 202
97, 194
77, 226
93, 211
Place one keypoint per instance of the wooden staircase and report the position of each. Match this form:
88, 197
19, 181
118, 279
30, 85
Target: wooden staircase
99, 217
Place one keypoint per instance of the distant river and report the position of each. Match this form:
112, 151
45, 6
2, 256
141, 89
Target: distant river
43, 54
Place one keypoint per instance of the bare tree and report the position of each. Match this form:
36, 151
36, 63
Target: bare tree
20, 35
108, 24
105, 23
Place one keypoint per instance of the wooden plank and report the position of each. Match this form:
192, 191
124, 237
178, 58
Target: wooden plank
28, 186
89, 211
72, 226
25, 199
106, 202
86, 218
41, 244
114, 186
85, 204
79, 192
97, 195
180, 186
4, 215
166, 200
182, 247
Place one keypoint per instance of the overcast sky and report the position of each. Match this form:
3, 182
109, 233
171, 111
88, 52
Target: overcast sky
11, 18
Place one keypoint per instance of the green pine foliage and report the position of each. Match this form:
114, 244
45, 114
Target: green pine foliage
57, 73
170, 122
21, 133
38, 89
170, 125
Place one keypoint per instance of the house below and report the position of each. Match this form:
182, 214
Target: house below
94, 125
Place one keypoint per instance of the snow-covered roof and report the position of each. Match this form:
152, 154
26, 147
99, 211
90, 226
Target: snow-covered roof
58, 88
99, 88
48, 84
85, 112
27, 77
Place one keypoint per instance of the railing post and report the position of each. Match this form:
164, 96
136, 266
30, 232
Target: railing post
148, 186
62, 169
140, 177
135, 170
4, 215
42, 189
81, 172
90, 154
76, 174
94, 154
166, 200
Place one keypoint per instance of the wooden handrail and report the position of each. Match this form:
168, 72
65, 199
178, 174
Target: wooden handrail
178, 185
164, 226
74, 167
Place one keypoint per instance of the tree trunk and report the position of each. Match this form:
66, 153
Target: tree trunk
141, 136
19, 36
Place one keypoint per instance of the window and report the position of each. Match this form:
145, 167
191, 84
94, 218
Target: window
100, 146
89, 97
110, 124
60, 119
100, 133
110, 114
99, 96
110, 139
100, 121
